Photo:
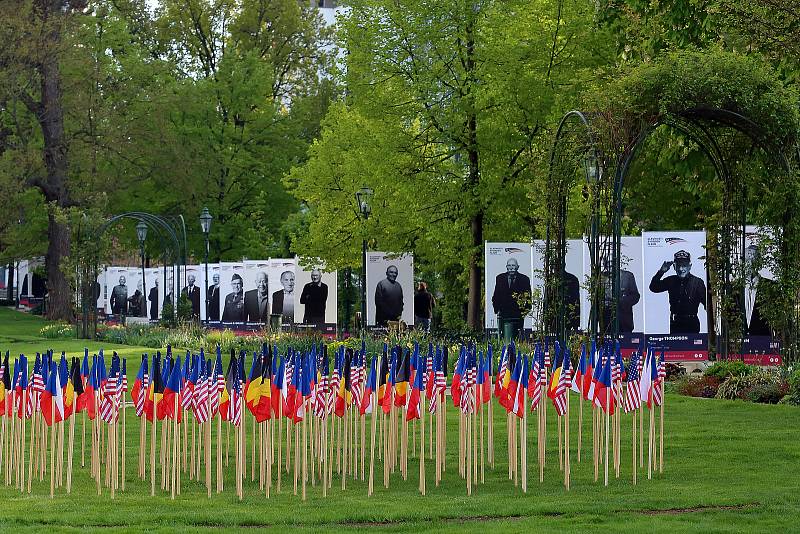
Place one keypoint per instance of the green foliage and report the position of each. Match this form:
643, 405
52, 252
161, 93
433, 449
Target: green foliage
727, 368
57, 331
698, 386
738, 387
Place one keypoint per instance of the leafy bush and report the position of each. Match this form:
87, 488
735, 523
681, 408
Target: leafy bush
727, 368
766, 393
700, 386
737, 387
793, 382
57, 331
674, 371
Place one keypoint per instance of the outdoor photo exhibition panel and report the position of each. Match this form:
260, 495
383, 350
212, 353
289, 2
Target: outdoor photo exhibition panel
316, 304
675, 308
390, 288
630, 309
508, 273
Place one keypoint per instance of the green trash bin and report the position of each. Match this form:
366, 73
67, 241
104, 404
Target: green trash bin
510, 328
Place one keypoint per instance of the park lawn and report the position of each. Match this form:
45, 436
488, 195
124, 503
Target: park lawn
730, 466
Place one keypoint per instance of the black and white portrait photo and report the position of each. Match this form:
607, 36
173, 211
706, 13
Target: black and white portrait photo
508, 271
118, 297
282, 288
192, 291
390, 281
256, 292
210, 303
316, 305
675, 302
232, 292
575, 297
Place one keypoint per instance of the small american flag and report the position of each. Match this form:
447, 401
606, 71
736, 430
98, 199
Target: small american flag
142, 395
200, 401
658, 386
560, 398
632, 400
535, 384
468, 392
34, 394
321, 396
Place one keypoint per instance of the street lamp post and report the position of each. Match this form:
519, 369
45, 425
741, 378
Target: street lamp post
363, 196
205, 225
141, 233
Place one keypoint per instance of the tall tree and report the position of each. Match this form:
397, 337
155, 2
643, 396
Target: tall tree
445, 119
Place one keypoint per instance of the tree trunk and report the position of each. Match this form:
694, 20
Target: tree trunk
474, 300
51, 121
474, 178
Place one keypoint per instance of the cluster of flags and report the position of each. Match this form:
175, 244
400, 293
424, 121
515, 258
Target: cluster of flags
403, 383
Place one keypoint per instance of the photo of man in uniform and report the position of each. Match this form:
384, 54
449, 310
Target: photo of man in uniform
628, 296
686, 293
283, 299
388, 298
192, 292
213, 299
512, 292
314, 297
119, 298
256, 301
233, 312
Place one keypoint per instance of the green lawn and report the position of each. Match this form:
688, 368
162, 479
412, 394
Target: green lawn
730, 466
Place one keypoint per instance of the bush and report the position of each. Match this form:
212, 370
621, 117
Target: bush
701, 386
728, 368
57, 331
737, 387
766, 393
674, 371
793, 395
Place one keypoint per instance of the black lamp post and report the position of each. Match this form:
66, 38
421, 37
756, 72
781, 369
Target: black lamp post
141, 233
363, 196
205, 225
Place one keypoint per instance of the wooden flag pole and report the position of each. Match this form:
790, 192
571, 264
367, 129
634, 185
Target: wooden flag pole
641, 437
220, 483
567, 473
385, 439
474, 423
52, 450
34, 436
524, 442
633, 445
560, 444
253, 452
608, 420
296, 452
123, 441
483, 450
279, 465
268, 459
661, 432
580, 423
422, 445
22, 448
69, 453
305, 448
344, 449
595, 441
374, 415
363, 440
650, 434
467, 453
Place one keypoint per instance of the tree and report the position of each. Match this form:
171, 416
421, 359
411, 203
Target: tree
446, 119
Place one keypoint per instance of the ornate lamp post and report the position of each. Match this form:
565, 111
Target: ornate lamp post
205, 225
363, 196
141, 233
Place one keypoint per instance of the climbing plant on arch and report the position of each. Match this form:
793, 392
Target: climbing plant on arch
731, 109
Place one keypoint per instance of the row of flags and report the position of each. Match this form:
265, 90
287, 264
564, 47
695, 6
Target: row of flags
329, 384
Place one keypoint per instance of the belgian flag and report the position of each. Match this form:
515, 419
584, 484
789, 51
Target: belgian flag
402, 377
344, 397
385, 383
74, 388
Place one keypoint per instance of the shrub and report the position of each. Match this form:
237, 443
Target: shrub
766, 393
674, 371
701, 386
737, 387
793, 396
57, 331
727, 368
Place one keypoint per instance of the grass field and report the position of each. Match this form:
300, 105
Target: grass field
730, 466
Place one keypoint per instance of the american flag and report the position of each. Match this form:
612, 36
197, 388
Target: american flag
468, 391
439, 387
142, 395
200, 395
109, 407
658, 387
357, 382
213, 394
187, 395
235, 404
632, 400
34, 393
334, 387
535, 383
320, 404
560, 397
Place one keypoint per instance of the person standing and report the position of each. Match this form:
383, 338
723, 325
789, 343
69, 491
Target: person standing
192, 292
283, 299
119, 298
213, 299
153, 298
388, 298
628, 297
686, 293
512, 292
314, 297
423, 307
